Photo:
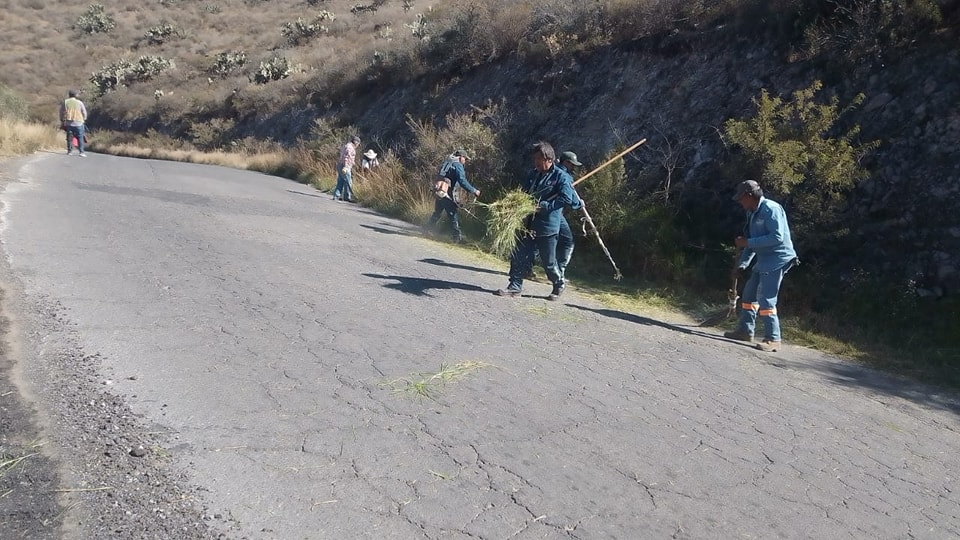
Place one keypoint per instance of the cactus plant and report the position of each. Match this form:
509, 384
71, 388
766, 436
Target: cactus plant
274, 70
157, 35
124, 72
226, 63
300, 31
95, 20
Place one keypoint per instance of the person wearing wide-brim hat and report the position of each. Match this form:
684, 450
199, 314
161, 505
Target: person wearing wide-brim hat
767, 239
369, 160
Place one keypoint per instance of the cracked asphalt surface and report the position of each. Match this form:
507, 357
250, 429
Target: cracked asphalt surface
245, 329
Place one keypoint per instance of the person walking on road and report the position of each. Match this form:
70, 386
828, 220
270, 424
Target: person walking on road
552, 187
768, 241
568, 160
348, 156
450, 175
73, 118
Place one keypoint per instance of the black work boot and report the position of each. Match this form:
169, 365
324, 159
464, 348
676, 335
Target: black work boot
556, 292
739, 335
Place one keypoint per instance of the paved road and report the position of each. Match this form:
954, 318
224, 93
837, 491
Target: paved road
259, 324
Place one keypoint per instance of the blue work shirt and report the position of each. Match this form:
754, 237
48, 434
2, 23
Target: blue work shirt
577, 202
768, 238
453, 170
553, 191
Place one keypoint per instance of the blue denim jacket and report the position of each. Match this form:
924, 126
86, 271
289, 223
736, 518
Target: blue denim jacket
454, 171
554, 191
768, 238
577, 202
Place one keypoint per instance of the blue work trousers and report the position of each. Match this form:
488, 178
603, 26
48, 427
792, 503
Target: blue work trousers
75, 131
448, 206
521, 261
344, 188
564, 248
759, 299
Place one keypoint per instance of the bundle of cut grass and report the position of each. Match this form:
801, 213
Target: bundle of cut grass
506, 220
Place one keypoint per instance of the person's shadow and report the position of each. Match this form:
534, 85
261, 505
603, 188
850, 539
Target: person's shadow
439, 262
646, 321
421, 286
383, 230
305, 194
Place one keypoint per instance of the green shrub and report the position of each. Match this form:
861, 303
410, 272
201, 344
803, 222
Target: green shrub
12, 105
795, 149
124, 73
95, 21
299, 31
475, 131
642, 233
226, 63
210, 135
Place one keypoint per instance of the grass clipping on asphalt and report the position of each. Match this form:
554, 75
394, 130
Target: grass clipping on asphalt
506, 220
427, 385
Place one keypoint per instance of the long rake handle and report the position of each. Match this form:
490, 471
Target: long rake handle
609, 161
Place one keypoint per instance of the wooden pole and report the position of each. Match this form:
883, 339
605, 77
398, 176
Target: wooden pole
609, 161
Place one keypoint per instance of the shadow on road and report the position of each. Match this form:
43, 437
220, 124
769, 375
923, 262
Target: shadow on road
835, 370
630, 317
846, 373
421, 286
384, 230
439, 262
307, 194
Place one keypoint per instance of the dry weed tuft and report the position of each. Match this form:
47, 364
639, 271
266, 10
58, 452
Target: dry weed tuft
18, 137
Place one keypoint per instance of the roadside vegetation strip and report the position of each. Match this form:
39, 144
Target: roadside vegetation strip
428, 385
19, 137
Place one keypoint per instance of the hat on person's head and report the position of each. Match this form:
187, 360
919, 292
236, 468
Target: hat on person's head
370, 154
748, 187
355, 139
460, 152
73, 93
571, 157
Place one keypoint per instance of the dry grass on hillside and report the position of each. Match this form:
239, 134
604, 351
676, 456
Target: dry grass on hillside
378, 47
19, 138
47, 38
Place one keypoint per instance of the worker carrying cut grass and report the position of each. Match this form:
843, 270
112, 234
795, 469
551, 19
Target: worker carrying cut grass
552, 188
